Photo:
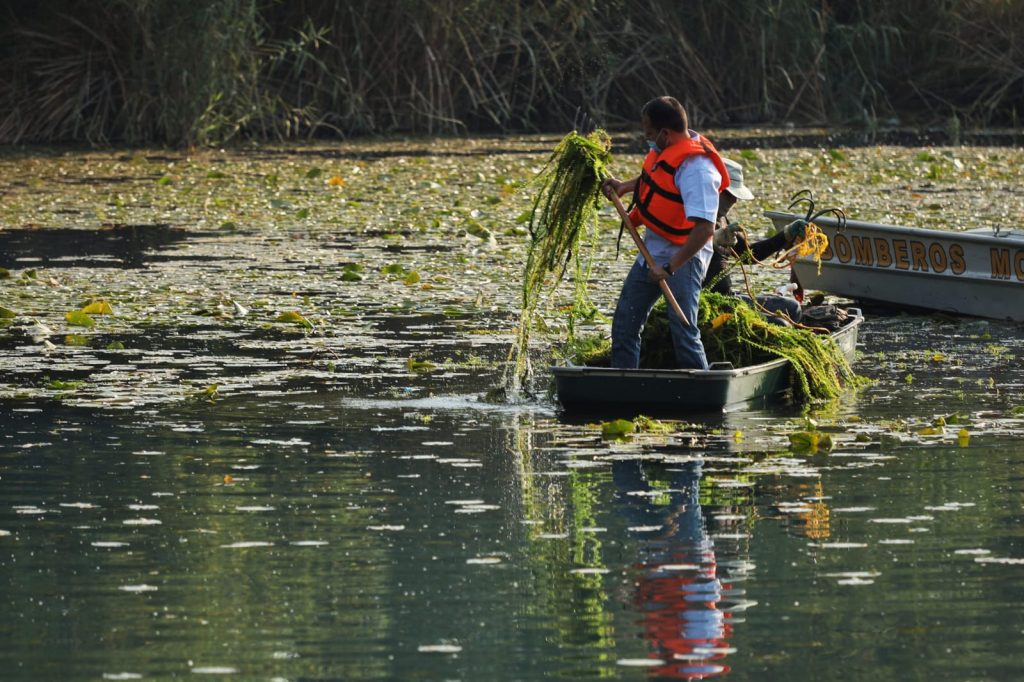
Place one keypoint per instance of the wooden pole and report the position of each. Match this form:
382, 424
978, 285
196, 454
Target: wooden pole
650, 261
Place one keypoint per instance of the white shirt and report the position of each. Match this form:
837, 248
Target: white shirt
698, 181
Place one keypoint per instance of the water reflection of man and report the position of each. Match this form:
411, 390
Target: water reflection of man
678, 585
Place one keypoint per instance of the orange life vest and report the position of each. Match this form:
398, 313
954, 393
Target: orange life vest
659, 203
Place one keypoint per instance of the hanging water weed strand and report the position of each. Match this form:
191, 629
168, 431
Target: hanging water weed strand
564, 214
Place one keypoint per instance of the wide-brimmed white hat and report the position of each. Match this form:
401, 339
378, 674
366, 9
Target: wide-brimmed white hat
736, 186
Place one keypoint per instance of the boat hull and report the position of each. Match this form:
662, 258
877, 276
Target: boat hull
977, 272
687, 391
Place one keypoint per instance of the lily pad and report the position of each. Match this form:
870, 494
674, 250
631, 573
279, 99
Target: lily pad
77, 318
7, 313
100, 307
294, 317
415, 365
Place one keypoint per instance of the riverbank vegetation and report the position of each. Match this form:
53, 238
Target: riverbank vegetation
210, 71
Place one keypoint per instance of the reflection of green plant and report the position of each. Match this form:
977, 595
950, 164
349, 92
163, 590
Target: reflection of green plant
565, 506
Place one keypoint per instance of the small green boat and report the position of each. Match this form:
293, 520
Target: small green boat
718, 389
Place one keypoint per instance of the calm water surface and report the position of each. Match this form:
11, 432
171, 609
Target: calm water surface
316, 535
348, 509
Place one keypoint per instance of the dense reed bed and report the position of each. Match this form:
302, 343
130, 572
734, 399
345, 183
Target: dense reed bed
207, 71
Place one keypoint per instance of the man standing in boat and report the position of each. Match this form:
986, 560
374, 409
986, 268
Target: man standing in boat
676, 199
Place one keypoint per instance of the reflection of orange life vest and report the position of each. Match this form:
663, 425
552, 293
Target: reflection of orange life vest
659, 203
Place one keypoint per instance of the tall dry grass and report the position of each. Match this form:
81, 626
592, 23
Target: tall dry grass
207, 71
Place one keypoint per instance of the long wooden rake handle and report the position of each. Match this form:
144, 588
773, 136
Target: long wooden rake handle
650, 261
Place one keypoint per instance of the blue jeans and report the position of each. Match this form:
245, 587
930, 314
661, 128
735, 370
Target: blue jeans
638, 296
777, 304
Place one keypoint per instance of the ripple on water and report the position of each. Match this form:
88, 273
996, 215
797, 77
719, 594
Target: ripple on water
439, 648
640, 662
247, 544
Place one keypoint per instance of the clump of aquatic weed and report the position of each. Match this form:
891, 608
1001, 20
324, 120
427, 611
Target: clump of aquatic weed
562, 222
734, 332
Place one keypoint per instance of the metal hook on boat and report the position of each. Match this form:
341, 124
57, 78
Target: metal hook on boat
839, 213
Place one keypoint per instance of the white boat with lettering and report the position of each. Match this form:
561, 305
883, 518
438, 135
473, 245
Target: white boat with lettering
977, 272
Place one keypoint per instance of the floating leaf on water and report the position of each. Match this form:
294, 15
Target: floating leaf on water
294, 317
812, 441
393, 269
228, 225
351, 276
963, 438
411, 278
76, 340
7, 313
115, 345
58, 385
314, 173
302, 213
5, 273
99, 307
336, 181
645, 424
216, 175
937, 358
77, 318
415, 365
617, 429
165, 180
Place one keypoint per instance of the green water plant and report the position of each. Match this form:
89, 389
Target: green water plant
562, 223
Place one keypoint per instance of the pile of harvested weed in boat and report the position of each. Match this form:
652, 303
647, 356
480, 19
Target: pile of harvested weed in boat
734, 332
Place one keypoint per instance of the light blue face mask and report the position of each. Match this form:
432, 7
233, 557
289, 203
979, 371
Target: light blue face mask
654, 146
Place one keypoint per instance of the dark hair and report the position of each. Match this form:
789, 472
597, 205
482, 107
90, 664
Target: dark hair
666, 112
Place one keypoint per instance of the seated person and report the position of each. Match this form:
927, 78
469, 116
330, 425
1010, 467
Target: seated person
729, 240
